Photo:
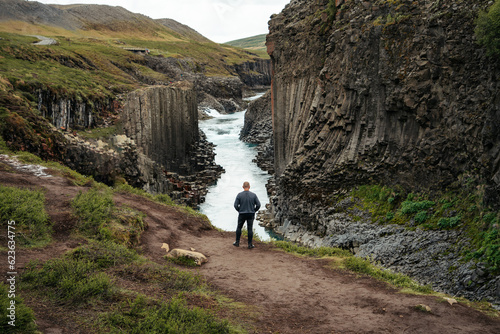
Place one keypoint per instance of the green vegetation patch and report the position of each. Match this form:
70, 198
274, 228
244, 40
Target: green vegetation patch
100, 218
69, 281
77, 278
315, 252
399, 280
488, 29
146, 316
344, 259
87, 278
455, 209
104, 254
171, 279
18, 313
27, 209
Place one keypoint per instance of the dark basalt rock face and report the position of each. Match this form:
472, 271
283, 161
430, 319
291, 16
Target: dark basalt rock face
256, 73
163, 121
386, 92
258, 129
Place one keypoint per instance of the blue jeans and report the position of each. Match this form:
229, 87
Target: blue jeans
248, 218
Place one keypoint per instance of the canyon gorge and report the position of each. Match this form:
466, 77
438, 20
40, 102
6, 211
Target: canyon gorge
389, 93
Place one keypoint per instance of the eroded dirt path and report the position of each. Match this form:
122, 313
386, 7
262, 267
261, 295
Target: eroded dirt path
286, 294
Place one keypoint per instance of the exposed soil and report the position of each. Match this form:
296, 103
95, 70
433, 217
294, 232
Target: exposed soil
284, 293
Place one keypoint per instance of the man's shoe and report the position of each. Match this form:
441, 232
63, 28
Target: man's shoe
236, 243
251, 246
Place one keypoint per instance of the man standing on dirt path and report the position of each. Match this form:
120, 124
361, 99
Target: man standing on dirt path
247, 204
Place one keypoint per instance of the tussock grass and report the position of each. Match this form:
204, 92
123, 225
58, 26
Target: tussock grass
146, 316
314, 252
94, 208
104, 254
100, 218
87, 276
69, 281
27, 208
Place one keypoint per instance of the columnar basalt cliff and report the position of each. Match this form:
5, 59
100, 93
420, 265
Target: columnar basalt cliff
256, 73
387, 92
68, 113
163, 121
258, 129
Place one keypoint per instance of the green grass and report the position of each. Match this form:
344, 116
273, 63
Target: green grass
182, 261
315, 252
26, 208
99, 133
255, 44
77, 278
104, 254
125, 188
94, 209
461, 208
100, 218
362, 266
143, 315
86, 279
69, 281
488, 29
23, 315
344, 259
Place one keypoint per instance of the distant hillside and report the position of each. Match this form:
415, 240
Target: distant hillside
183, 30
255, 44
117, 27
37, 13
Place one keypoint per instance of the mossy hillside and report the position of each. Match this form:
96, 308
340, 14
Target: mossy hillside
81, 69
254, 44
93, 69
460, 208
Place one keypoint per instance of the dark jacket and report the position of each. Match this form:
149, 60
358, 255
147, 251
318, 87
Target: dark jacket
247, 202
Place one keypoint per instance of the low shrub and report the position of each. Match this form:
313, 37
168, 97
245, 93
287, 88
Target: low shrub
410, 206
103, 254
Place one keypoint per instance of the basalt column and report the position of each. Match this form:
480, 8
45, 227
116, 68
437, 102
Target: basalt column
163, 121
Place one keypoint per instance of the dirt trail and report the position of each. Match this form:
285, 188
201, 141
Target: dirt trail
289, 294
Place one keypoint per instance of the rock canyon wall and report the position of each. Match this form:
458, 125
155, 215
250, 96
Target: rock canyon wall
383, 92
163, 122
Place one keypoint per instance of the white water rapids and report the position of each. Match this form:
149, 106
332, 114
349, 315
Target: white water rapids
236, 158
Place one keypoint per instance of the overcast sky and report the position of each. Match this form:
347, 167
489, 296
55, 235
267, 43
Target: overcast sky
219, 20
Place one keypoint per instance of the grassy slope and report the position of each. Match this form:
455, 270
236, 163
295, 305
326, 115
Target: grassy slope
97, 58
255, 44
